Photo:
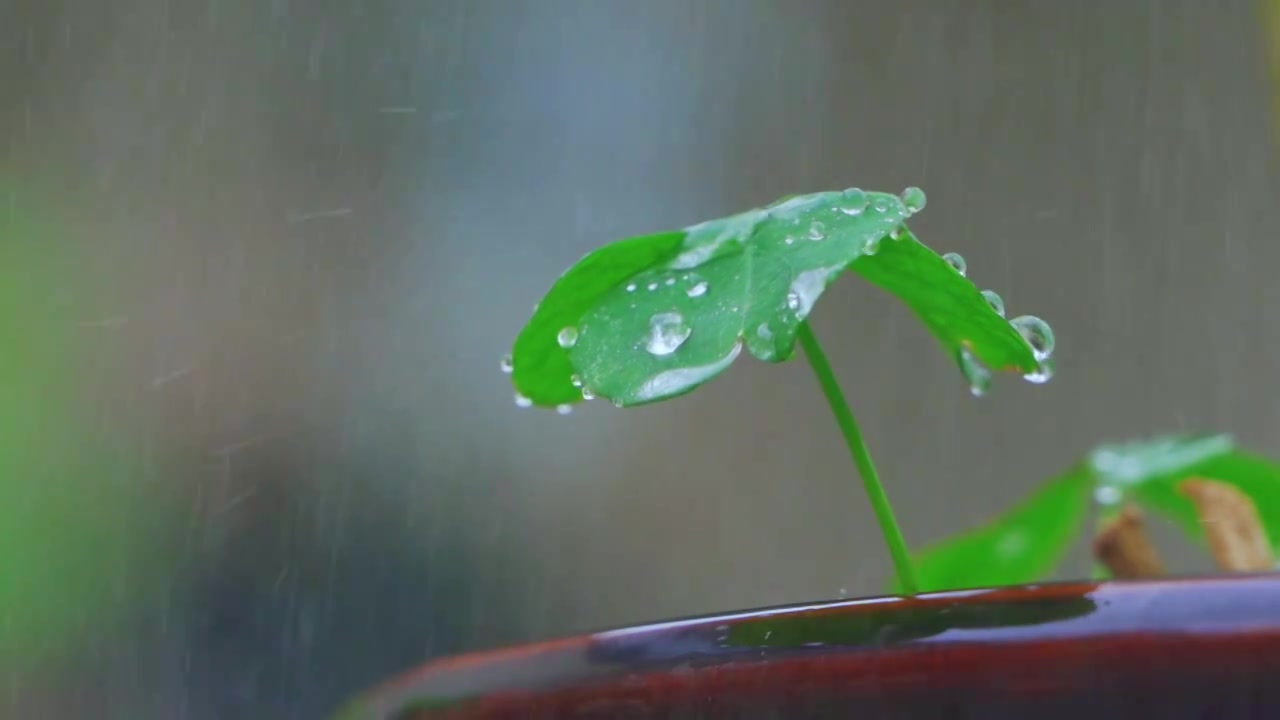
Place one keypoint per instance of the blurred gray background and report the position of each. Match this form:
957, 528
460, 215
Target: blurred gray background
303, 234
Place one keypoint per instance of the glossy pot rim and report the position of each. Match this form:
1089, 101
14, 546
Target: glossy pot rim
1063, 614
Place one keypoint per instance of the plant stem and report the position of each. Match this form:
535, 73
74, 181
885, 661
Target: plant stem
861, 458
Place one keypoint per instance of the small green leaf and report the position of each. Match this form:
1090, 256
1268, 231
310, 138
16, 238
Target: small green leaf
1022, 545
653, 317
1150, 471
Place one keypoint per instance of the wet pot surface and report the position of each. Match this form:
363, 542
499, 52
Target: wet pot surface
1193, 648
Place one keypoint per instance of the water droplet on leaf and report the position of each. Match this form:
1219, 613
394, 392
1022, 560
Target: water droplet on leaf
1037, 333
575, 380
667, 332
698, 290
653, 286
587, 394
853, 201
522, 401
1107, 495
913, 199
564, 409
631, 287
871, 246
975, 373
567, 337
817, 230
994, 300
895, 234
790, 240
956, 261
670, 281
507, 364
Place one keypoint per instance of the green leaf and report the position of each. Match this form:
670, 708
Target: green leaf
1022, 545
653, 317
1150, 471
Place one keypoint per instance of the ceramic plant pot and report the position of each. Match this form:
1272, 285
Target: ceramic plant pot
1185, 648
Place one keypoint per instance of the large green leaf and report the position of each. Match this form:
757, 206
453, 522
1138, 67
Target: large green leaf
1022, 545
1150, 471
653, 317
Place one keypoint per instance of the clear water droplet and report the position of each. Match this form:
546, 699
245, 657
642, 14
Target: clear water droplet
1042, 374
1107, 495
564, 409
895, 234
618, 403
567, 337
507, 365
994, 300
670, 281
789, 240
956, 261
667, 332
853, 201
817, 231
631, 287
975, 373
913, 199
871, 245
522, 401
653, 286
793, 301
587, 394
764, 331
1037, 333
698, 290
880, 206
575, 380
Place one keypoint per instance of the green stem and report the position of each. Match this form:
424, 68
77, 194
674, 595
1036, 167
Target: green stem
861, 458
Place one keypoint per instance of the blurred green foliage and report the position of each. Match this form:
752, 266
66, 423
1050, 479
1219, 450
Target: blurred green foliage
72, 554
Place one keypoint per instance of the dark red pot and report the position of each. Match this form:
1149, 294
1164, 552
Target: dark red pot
1195, 648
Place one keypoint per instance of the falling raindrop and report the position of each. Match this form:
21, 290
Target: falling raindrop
507, 365
522, 401
667, 332
1037, 333
564, 409
975, 373
994, 300
567, 337
913, 199
698, 290
853, 202
817, 230
956, 261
